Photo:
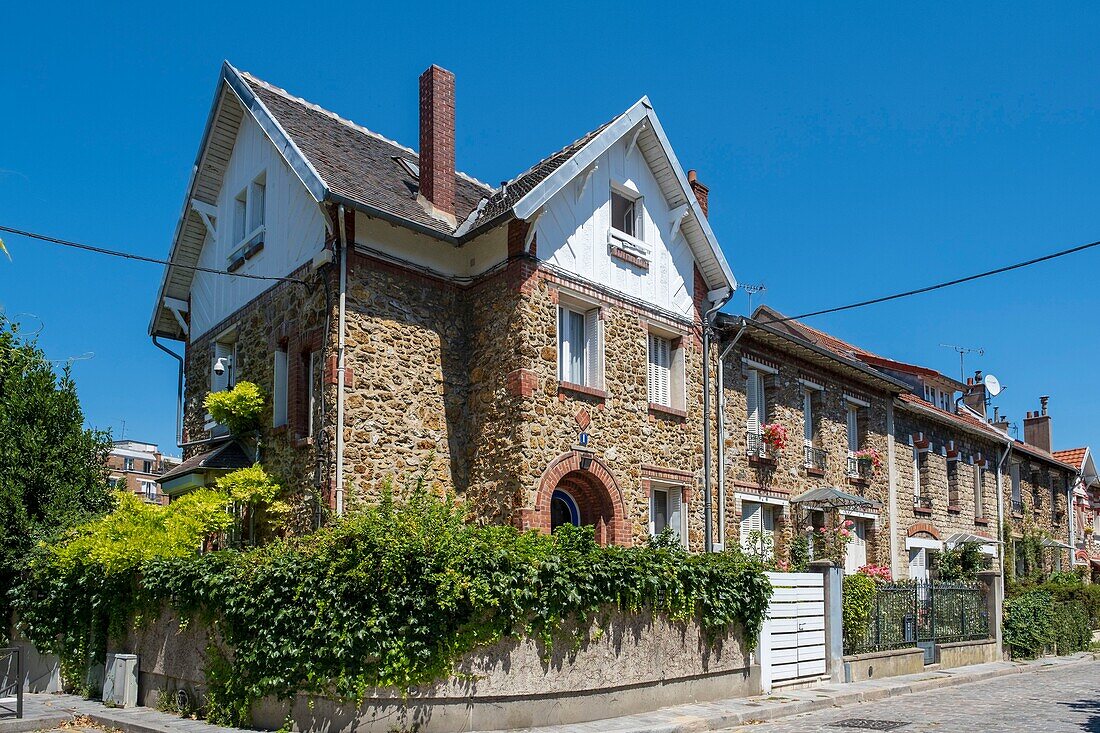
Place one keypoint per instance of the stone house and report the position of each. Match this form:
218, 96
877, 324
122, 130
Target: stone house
1084, 509
535, 347
832, 407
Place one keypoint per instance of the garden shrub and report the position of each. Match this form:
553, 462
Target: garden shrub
238, 409
858, 603
1070, 630
396, 595
1028, 623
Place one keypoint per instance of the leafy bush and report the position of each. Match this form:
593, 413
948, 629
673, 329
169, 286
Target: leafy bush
858, 603
396, 595
962, 562
1028, 623
1070, 630
238, 409
800, 553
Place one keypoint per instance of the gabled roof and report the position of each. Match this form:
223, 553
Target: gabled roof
228, 456
342, 162
1072, 456
961, 419
1035, 452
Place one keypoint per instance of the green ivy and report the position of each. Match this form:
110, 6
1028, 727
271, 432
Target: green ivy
238, 409
858, 601
396, 595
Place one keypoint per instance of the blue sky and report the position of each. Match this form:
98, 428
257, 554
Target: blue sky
852, 149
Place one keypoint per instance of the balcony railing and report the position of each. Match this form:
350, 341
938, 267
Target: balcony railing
858, 468
814, 457
1036, 500
922, 502
755, 447
1017, 506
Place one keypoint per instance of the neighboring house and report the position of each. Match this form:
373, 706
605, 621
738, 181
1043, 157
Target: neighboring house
140, 466
943, 461
1085, 509
832, 408
536, 345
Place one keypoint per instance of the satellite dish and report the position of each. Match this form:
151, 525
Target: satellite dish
992, 385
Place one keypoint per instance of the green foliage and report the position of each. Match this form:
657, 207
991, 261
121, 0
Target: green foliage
255, 496
1028, 623
858, 603
77, 591
396, 595
238, 409
800, 552
52, 470
962, 562
1070, 630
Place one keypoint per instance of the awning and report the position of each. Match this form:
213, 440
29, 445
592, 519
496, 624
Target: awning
961, 538
1048, 542
830, 497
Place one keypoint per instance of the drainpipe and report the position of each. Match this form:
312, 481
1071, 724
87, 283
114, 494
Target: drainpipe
722, 435
892, 488
179, 390
719, 298
1001, 511
340, 363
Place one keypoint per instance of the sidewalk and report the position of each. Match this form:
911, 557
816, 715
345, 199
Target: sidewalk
44, 711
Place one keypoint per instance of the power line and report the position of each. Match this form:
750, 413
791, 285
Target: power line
141, 258
940, 286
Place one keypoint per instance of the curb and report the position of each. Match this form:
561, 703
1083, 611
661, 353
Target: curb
39, 722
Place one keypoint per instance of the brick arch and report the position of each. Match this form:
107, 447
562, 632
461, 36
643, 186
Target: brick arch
926, 528
595, 490
1082, 555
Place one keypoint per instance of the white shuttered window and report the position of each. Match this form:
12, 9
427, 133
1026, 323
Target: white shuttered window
579, 347
665, 511
756, 401
660, 370
757, 528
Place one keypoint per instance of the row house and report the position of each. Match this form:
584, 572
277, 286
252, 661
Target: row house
139, 466
537, 346
949, 474
1084, 509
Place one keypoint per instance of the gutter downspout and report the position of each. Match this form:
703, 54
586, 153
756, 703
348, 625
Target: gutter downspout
1001, 511
179, 390
892, 488
721, 544
340, 363
708, 488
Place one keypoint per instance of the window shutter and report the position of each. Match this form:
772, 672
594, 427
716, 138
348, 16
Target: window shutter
750, 522
257, 204
674, 511
660, 370
807, 417
279, 398
853, 429
752, 399
592, 349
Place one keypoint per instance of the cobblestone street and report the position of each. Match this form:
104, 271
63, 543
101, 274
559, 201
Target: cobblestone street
1058, 700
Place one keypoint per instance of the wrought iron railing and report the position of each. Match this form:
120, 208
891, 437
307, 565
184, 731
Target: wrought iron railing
859, 468
922, 502
814, 457
11, 683
755, 447
906, 613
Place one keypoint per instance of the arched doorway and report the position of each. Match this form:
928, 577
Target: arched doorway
578, 489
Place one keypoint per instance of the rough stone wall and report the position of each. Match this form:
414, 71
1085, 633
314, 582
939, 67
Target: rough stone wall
943, 518
785, 476
1035, 478
288, 315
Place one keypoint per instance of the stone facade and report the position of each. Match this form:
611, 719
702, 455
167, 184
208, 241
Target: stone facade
777, 478
1042, 501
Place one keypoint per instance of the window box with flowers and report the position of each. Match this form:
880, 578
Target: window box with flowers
774, 437
863, 464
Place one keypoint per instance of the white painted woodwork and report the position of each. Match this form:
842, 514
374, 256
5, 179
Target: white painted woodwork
573, 233
792, 642
294, 230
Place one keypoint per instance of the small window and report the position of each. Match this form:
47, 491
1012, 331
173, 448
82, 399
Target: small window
626, 212
240, 218
1014, 472
257, 206
249, 215
807, 418
146, 466
664, 511
853, 428
757, 529
665, 376
128, 464
579, 346
279, 393
149, 489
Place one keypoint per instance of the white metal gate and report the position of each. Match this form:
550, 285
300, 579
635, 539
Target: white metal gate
792, 641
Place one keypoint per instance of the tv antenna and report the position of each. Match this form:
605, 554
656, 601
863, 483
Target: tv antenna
123, 421
963, 351
751, 290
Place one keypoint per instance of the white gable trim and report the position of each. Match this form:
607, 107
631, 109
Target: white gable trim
641, 113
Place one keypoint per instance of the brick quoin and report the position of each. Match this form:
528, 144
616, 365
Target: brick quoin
517, 238
521, 382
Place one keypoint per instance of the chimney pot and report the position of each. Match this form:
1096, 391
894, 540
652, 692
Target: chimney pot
977, 375
1043, 403
437, 143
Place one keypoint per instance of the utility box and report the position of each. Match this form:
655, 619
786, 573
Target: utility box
120, 680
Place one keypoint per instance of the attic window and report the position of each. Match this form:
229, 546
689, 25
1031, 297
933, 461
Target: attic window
408, 166
626, 210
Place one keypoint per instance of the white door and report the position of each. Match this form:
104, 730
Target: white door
855, 555
918, 563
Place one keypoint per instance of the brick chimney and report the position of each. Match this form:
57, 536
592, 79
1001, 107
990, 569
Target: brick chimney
1037, 427
437, 144
974, 394
702, 193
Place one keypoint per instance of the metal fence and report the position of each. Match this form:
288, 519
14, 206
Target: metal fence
921, 613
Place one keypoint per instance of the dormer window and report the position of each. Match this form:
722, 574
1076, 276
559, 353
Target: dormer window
626, 211
249, 218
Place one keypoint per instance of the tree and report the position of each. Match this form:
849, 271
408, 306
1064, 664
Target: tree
52, 470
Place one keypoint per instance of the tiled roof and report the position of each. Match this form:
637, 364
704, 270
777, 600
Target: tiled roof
357, 163
227, 456
957, 417
1040, 453
1073, 456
